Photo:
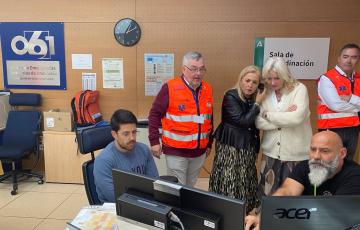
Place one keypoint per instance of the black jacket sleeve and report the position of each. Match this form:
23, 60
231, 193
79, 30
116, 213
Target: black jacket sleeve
237, 127
238, 112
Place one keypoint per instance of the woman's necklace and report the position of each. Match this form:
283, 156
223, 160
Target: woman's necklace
278, 96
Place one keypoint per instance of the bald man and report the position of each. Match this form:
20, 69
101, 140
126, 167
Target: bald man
327, 169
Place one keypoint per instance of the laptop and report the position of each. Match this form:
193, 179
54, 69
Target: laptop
310, 213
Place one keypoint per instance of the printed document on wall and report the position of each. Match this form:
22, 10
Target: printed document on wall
113, 73
81, 61
159, 68
88, 81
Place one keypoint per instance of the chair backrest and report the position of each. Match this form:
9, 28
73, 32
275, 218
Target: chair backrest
93, 138
22, 125
89, 140
88, 168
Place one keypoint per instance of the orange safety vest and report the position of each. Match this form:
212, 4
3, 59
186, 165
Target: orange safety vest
187, 124
328, 118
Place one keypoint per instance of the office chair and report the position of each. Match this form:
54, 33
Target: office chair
89, 182
21, 136
89, 140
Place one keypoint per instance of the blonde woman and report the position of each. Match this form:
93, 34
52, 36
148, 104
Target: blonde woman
285, 120
237, 141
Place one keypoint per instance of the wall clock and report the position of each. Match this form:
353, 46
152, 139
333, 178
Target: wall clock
127, 32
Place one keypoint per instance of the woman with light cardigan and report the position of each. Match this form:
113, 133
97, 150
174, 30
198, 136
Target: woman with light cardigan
285, 121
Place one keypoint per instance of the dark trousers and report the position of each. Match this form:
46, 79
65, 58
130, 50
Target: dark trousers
349, 136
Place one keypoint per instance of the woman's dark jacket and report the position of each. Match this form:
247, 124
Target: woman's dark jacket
237, 127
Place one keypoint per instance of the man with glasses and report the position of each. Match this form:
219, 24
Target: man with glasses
123, 153
183, 109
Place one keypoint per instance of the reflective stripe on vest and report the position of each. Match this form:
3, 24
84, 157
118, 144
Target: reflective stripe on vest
336, 115
328, 118
186, 118
177, 137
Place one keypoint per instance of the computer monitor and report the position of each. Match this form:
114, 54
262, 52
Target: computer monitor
310, 213
128, 181
229, 212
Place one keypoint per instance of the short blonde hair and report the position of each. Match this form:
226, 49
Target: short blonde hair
243, 73
279, 66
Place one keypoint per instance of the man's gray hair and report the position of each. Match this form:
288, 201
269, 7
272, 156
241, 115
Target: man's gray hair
192, 55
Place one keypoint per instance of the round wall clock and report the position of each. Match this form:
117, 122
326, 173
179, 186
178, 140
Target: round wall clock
127, 32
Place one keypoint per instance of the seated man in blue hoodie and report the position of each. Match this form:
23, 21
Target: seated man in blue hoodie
123, 153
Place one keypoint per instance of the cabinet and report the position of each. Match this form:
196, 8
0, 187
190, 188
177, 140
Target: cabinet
63, 163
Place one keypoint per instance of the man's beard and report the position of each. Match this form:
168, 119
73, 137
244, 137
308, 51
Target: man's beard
128, 146
320, 171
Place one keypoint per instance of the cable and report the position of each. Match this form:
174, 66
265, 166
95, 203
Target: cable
176, 219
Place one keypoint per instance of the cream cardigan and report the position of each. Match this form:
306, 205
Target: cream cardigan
287, 135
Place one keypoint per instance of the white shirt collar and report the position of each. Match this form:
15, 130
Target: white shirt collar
189, 83
342, 72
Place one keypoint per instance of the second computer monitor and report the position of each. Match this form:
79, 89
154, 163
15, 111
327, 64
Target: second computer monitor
230, 211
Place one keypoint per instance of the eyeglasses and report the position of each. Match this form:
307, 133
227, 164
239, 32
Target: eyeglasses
194, 69
127, 133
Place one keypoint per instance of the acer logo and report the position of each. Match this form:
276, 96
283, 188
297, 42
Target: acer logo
292, 213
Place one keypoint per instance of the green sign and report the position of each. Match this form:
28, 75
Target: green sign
259, 52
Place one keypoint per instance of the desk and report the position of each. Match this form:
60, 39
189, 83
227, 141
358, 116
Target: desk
122, 223
103, 217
